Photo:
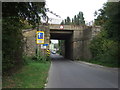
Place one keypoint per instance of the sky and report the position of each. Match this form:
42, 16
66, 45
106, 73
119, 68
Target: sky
70, 8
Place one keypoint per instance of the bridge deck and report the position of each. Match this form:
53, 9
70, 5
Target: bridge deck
66, 27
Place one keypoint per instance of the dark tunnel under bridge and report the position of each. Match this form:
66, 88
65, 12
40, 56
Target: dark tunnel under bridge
66, 35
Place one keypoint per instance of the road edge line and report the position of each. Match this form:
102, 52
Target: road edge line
45, 85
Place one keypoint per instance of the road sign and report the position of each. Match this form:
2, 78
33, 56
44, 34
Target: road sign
40, 37
43, 47
61, 27
45, 44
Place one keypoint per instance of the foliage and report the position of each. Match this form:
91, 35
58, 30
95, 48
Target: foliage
112, 25
56, 45
101, 16
32, 75
12, 43
104, 50
109, 19
41, 58
28, 26
25, 10
61, 47
13, 15
77, 20
68, 21
104, 46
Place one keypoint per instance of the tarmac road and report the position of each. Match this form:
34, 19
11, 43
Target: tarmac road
70, 74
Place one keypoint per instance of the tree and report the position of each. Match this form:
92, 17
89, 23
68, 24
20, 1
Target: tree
62, 23
24, 10
68, 21
105, 46
13, 13
72, 21
81, 19
108, 17
77, 20
101, 16
65, 21
112, 24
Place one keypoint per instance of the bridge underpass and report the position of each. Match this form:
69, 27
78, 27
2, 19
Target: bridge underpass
67, 36
77, 39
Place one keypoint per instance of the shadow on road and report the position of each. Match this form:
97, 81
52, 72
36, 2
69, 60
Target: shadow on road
57, 57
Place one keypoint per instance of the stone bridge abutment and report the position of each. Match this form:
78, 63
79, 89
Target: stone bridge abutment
77, 39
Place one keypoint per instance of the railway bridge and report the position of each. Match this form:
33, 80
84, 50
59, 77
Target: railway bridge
77, 39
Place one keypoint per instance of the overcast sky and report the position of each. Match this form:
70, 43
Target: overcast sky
70, 8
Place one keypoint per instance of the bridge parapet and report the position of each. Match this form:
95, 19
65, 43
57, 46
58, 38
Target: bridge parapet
67, 27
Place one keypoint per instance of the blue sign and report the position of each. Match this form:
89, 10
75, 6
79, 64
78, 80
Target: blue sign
40, 35
45, 44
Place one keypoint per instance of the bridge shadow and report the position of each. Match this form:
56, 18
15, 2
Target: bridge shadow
57, 57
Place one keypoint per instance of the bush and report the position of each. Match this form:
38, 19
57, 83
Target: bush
104, 50
41, 58
12, 46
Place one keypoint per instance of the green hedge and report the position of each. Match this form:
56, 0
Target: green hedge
12, 43
104, 50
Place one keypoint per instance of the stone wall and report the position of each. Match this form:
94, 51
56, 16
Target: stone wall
30, 42
81, 41
30, 46
87, 35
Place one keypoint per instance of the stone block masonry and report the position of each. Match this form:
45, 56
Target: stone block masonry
30, 46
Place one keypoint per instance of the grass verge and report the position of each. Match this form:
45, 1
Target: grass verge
31, 75
106, 64
102, 63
